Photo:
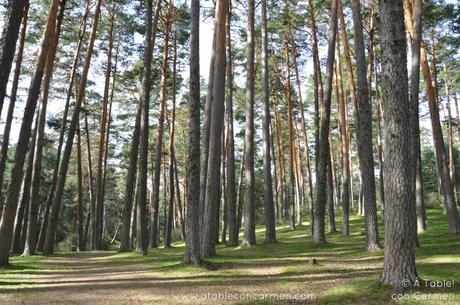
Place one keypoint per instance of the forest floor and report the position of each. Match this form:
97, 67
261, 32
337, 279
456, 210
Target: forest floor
281, 273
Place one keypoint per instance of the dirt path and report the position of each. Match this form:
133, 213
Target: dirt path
94, 279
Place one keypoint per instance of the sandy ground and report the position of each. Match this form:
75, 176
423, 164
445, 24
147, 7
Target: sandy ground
90, 279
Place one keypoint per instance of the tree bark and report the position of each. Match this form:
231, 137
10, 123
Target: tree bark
291, 184
9, 210
12, 22
80, 219
159, 141
49, 198
450, 137
249, 238
170, 219
48, 247
399, 260
364, 134
213, 192
205, 134
323, 148
34, 201
192, 228
13, 97
24, 197
232, 220
344, 145
446, 182
98, 236
270, 222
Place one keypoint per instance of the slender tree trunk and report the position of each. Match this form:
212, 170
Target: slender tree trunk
44, 224
24, 197
344, 145
330, 192
239, 200
48, 247
446, 182
270, 223
364, 134
205, 135
277, 184
230, 154
213, 194
80, 218
130, 187
399, 259
178, 198
9, 210
304, 125
280, 144
102, 136
12, 22
170, 219
192, 228
34, 201
13, 97
249, 238
159, 142
450, 137
142, 233
414, 22
323, 148
318, 92
291, 184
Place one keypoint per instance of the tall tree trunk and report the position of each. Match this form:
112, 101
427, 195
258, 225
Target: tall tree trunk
107, 139
330, 192
249, 238
141, 229
399, 259
80, 220
270, 223
446, 182
9, 210
213, 194
414, 22
24, 197
318, 92
179, 208
34, 201
344, 145
12, 22
131, 186
304, 124
364, 134
89, 166
291, 184
98, 236
49, 198
159, 141
450, 137
323, 148
48, 247
232, 220
282, 166
170, 219
192, 228
205, 134
13, 97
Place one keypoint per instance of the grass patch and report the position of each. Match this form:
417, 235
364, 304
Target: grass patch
344, 274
